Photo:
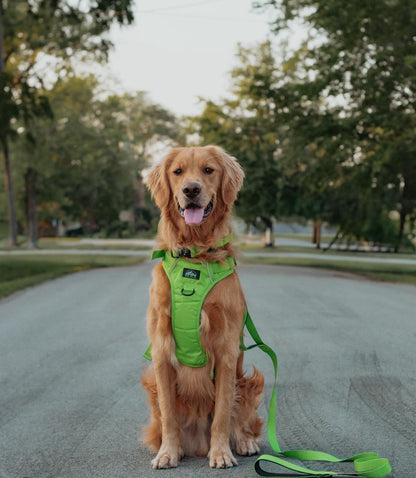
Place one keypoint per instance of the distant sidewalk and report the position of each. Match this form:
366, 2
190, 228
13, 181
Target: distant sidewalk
333, 257
143, 253
112, 242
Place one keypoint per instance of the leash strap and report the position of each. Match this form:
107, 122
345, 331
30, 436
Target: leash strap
365, 464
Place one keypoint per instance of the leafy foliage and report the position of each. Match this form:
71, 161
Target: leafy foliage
358, 74
89, 156
37, 37
40, 33
245, 126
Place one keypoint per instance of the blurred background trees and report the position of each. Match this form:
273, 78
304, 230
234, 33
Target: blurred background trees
75, 157
35, 38
87, 160
332, 121
325, 129
360, 65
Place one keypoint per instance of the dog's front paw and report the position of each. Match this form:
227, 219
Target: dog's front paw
247, 447
168, 457
221, 458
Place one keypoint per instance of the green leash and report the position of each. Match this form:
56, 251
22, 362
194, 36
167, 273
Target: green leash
365, 464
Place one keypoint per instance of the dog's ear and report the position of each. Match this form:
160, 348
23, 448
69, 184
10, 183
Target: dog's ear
233, 175
157, 182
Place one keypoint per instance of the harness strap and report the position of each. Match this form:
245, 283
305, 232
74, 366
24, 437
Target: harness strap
365, 464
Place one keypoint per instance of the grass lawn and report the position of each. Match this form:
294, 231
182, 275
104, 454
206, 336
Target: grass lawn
77, 244
74, 243
18, 272
402, 273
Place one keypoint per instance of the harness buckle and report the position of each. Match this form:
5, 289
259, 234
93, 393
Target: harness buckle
182, 252
185, 253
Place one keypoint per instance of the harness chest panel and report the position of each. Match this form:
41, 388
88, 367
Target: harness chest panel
190, 283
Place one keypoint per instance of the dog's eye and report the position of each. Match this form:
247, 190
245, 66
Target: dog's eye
178, 172
208, 170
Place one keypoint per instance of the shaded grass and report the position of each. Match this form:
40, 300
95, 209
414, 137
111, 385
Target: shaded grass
400, 273
19, 272
74, 243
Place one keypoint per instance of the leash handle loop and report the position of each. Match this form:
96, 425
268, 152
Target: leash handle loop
367, 465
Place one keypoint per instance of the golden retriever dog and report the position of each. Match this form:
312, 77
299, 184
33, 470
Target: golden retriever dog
193, 411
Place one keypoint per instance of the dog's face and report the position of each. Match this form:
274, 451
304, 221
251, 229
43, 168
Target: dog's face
195, 182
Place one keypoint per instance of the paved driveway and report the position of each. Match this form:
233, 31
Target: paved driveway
70, 360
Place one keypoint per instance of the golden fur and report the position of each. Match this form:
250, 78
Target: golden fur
192, 414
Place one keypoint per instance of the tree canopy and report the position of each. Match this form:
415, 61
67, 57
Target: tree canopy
89, 156
359, 68
38, 40
327, 130
246, 127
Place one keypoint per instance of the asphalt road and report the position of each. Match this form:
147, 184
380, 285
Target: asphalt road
70, 359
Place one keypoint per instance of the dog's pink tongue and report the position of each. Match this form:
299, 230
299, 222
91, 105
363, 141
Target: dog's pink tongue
193, 216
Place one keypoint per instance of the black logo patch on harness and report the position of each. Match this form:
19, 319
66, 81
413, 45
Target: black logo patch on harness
191, 273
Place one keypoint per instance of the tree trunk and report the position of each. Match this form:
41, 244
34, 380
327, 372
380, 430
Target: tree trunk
269, 236
334, 240
31, 210
403, 215
6, 153
10, 193
316, 235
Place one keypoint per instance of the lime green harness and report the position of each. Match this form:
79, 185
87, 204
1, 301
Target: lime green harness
190, 283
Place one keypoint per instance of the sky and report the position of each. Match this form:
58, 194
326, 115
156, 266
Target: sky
180, 50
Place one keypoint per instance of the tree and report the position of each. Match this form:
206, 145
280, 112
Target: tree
145, 127
246, 126
145, 124
88, 157
274, 91
78, 161
33, 33
361, 62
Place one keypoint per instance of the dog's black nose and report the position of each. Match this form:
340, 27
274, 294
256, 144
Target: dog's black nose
191, 190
